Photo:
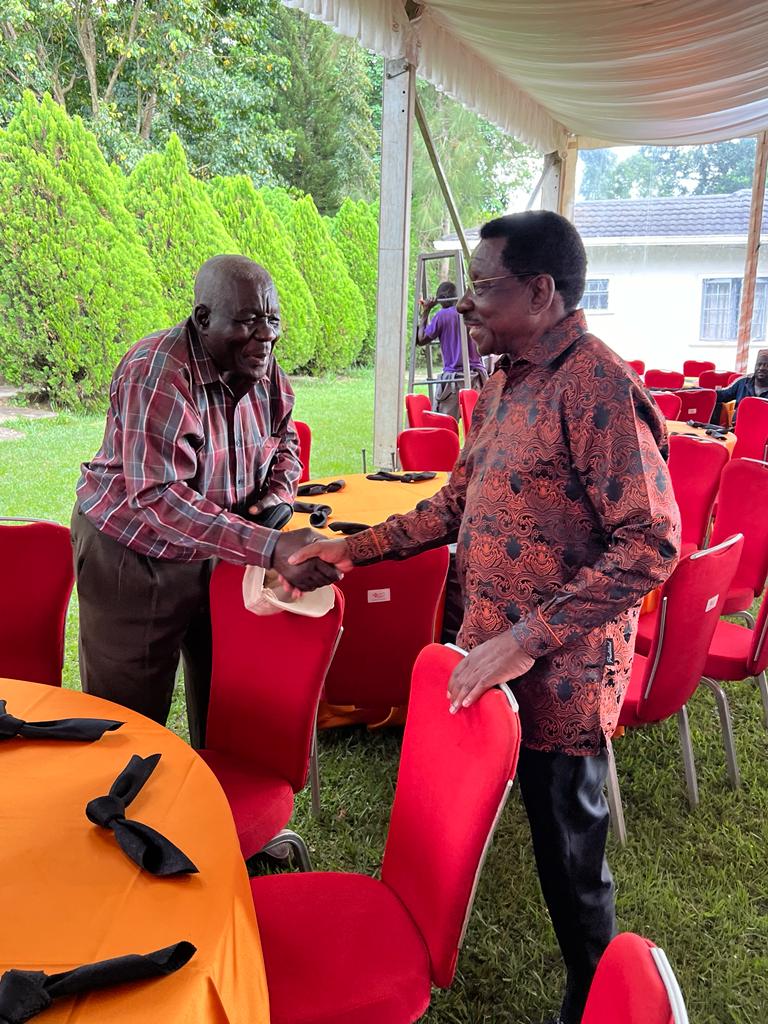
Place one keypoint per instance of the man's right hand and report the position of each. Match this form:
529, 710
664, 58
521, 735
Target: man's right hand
306, 572
332, 552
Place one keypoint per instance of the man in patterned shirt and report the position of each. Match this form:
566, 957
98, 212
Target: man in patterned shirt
199, 423
564, 517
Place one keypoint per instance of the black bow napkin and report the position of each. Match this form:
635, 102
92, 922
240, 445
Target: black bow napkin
142, 844
24, 994
348, 528
312, 490
86, 729
403, 478
318, 514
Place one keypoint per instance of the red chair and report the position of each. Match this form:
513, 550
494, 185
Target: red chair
634, 984
267, 675
428, 448
695, 465
36, 557
671, 379
713, 379
305, 448
348, 947
637, 365
441, 421
732, 376
695, 367
668, 402
467, 401
751, 429
696, 404
666, 674
415, 407
391, 613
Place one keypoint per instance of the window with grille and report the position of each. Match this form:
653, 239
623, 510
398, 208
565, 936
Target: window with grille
720, 303
595, 293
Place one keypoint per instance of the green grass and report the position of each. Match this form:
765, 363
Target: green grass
695, 882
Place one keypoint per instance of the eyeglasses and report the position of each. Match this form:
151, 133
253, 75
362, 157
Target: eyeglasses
486, 285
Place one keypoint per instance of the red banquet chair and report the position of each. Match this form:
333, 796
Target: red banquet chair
415, 407
391, 613
348, 947
666, 673
714, 379
668, 402
637, 365
634, 984
751, 429
428, 448
440, 421
266, 678
37, 565
695, 367
697, 404
695, 465
671, 379
305, 448
467, 401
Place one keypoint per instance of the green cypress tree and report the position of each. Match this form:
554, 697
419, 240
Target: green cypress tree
355, 231
177, 221
279, 202
263, 238
340, 306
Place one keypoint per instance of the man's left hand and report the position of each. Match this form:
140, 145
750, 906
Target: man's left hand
496, 661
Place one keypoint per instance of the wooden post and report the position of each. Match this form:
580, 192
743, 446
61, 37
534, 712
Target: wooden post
753, 253
567, 194
394, 249
550, 182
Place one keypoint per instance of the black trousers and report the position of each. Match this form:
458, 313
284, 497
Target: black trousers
568, 815
137, 616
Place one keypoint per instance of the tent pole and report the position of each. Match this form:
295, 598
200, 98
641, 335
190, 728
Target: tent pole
753, 253
558, 181
394, 250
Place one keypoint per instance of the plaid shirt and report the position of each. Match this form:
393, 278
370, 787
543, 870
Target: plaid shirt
179, 452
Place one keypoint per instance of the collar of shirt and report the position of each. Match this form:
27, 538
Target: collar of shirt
552, 344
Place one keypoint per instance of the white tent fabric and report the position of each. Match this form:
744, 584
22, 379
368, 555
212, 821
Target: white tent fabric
612, 72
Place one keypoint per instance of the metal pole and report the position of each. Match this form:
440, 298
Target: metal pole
753, 253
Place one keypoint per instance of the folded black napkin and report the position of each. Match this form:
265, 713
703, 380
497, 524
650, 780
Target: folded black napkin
312, 490
142, 844
86, 729
318, 514
274, 517
403, 478
24, 994
348, 528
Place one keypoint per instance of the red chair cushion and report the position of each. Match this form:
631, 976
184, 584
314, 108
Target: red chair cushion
261, 805
729, 652
628, 713
339, 949
739, 599
627, 987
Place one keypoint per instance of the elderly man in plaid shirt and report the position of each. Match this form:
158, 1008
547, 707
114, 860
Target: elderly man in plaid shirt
199, 426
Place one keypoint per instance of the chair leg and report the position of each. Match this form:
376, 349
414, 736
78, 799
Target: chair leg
287, 837
749, 618
689, 765
614, 799
762, 682
314, 776
726, 727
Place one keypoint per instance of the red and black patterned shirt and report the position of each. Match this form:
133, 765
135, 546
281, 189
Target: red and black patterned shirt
179, 452
563, 512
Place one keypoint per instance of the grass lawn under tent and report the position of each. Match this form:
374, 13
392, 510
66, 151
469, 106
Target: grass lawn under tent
694, 882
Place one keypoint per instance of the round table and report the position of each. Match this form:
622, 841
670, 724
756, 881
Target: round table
71, 896
680, 427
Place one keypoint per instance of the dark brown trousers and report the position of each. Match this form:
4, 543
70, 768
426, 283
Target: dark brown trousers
137, 615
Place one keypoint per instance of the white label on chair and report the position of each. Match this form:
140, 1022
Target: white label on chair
377, 596
691, 411
711, 603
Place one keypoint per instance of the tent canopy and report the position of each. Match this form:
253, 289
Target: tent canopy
611, 72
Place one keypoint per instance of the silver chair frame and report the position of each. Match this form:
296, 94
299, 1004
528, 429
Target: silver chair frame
667, 975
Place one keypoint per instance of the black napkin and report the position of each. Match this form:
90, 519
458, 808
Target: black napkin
348, 528
403, 478
142, 844
312, 490
86, 729
24, 994
318, 514
274, 517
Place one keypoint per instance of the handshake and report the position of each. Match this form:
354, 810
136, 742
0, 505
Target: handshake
306, 560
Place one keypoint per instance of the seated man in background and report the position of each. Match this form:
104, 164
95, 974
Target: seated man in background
445, 325
753, 386
199, 423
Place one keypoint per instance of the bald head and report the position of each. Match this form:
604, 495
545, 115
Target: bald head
216, 275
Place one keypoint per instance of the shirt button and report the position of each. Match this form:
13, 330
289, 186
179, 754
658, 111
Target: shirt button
238, 444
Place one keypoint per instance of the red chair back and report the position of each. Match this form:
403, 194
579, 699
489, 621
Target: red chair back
713, 379
695, 367
428, 448
415, 407
634, 984
305, 448
732, 376
266, 679
455, 775
695, 465
751, 429
668, 402
38, 571
758, 658
440, 421
697, 404
390, 615
637, 365
742, 500
664, 379
467, 401
691, 602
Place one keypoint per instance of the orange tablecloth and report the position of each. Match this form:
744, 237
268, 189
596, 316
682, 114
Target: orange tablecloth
679, 427
71, 896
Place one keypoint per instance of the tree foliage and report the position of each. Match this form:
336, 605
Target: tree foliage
355, 230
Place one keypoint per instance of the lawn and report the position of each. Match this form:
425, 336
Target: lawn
694, 882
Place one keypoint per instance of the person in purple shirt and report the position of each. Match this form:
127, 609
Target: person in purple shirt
445, 326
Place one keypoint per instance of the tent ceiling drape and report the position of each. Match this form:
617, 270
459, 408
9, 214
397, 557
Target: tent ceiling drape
609, 71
